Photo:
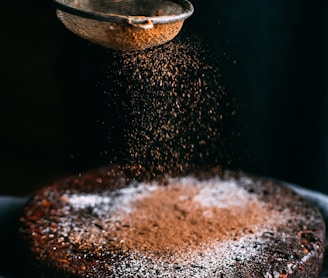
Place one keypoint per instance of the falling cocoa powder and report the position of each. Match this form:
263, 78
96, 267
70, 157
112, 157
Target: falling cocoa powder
179, 115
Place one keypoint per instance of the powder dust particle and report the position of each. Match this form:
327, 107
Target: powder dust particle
178, 112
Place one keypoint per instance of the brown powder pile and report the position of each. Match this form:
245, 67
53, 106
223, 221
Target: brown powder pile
169, 220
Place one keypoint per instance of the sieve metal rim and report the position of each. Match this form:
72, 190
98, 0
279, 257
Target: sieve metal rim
133, 20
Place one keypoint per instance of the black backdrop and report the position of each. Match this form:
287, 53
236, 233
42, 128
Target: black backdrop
51, 127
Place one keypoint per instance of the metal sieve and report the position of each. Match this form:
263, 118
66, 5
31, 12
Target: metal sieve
124, 24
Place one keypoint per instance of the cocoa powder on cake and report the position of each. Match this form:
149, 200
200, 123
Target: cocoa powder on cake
170, 220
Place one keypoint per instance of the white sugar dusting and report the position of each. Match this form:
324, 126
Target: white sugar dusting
82, 201
222, 194
110, 201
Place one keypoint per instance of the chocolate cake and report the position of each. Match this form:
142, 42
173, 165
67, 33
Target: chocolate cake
107, 223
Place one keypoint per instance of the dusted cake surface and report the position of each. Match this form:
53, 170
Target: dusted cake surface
105, 223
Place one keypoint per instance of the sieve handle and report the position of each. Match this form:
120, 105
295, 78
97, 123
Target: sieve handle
144, 24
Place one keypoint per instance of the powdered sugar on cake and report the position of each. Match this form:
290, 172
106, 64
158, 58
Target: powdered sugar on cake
110, 201
222, 194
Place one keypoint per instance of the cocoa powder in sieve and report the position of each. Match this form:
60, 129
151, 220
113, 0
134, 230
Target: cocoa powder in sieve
120, 36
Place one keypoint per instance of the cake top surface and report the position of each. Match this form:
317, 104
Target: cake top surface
219, 224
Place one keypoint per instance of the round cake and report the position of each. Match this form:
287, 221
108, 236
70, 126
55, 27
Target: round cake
109, 223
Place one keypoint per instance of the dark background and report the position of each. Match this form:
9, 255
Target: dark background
50, 130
